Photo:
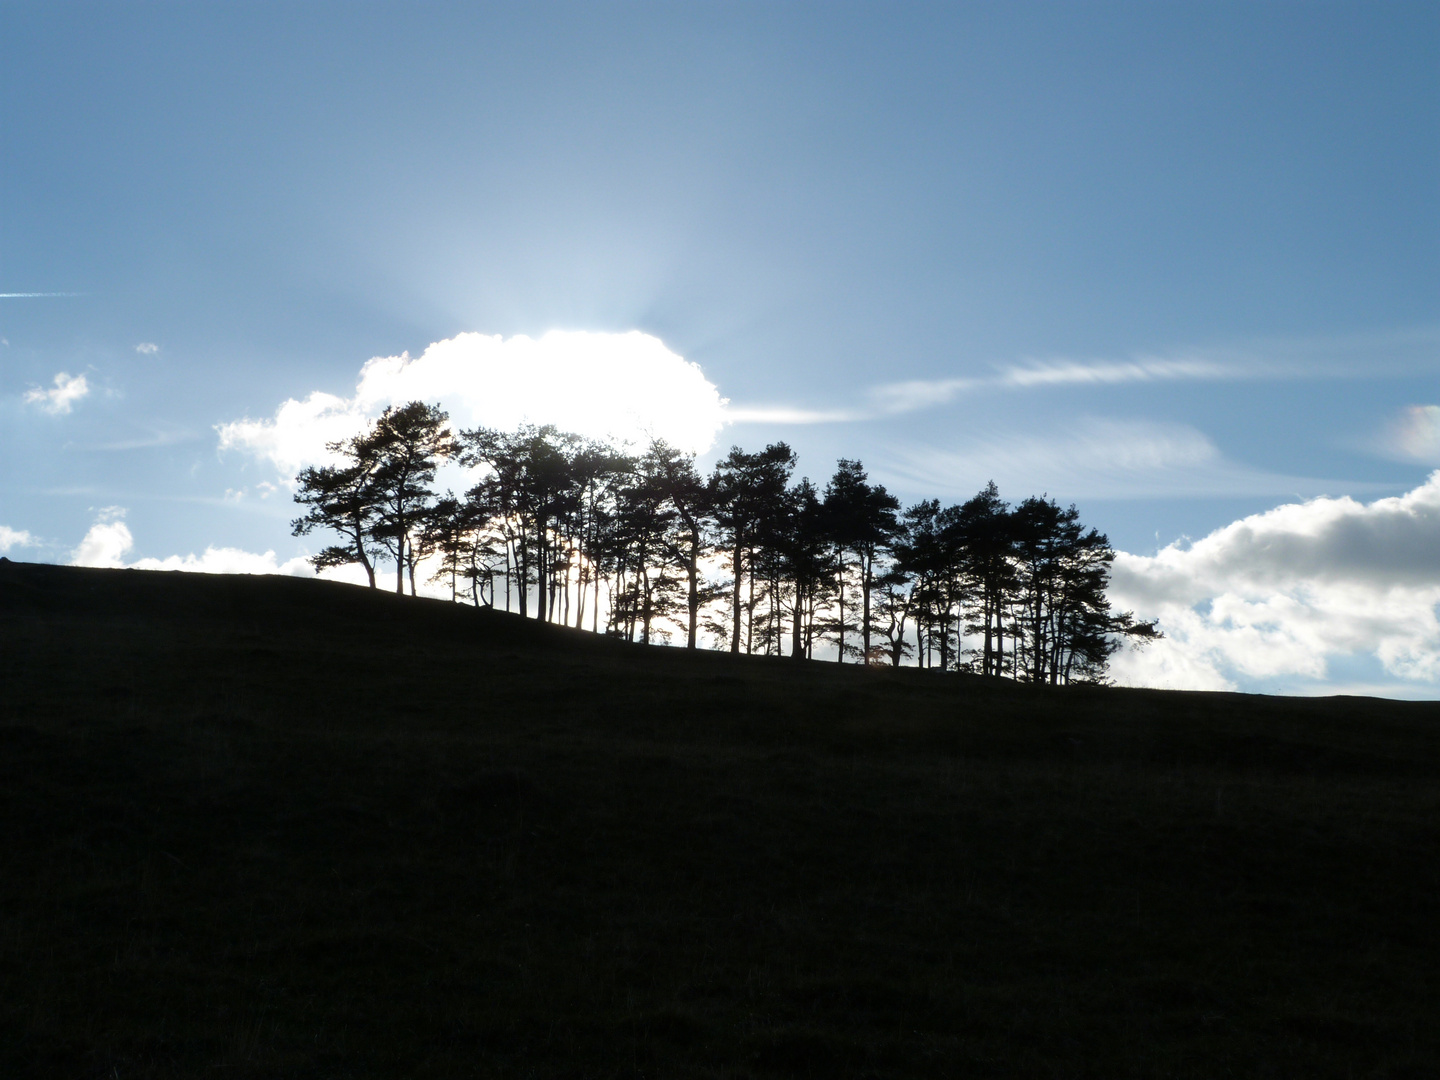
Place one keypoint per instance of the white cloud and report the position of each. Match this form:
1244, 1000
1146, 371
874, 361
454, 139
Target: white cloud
109, 540
147, 348
1280, 595
1142, 369
1091, 458
627, 386
903, 397
13, 538
784, 414
106, 543
1413, 435
61, 398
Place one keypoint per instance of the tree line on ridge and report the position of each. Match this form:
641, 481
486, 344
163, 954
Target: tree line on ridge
558, 527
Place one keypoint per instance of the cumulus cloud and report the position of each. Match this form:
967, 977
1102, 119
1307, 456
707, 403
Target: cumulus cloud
147, 348
60, 398
109, 541
626, 386
1090, 458
1280, 595
13, 538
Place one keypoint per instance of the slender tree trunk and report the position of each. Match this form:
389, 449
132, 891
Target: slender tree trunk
400, 565
692, 569
736, 561
797, 630
360, 551
866, 562
646, 610
750, 620
541, 570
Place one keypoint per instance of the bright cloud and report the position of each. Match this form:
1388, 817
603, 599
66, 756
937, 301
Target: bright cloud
60, 398
109, 540
147, 348
13, 538
627, 386
1279, 595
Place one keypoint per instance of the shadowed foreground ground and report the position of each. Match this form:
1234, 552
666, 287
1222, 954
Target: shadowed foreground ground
290, 828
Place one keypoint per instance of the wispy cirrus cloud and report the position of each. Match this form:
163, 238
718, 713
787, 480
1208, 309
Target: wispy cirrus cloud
1092, 457
894, 399
61, 398
784, 414
1144, 369
1350, 356
902, 397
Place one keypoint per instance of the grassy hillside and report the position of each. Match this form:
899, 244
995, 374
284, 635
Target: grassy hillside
263, 827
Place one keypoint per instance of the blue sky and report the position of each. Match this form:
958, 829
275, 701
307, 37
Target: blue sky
1177, 263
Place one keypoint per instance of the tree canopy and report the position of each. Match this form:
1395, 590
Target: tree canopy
642, 546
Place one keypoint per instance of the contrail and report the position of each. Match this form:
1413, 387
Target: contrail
29, 295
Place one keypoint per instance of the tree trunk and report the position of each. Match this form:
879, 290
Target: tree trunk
865, 567
692, 569
400, 565
737, 561
797, 630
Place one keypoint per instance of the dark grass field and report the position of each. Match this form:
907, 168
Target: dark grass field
262, 827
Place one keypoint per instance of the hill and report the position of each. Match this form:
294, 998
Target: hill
292, 828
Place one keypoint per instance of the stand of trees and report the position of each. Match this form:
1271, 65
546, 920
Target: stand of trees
573, 531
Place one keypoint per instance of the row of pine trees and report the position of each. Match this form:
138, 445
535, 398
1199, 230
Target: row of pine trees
579, 532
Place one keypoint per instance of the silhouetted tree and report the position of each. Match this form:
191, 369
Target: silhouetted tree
340, 499
808, 564
861, 518
677, 479
1018, 591
746, 492
407, 443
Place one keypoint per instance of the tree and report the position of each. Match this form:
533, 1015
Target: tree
407, 444
983, 536
746, 491
530, 482
339, 499
862, 522
807, 563
1004, 591
686, 539
1064, 629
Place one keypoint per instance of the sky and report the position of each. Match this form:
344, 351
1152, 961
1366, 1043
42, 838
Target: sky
1176, 263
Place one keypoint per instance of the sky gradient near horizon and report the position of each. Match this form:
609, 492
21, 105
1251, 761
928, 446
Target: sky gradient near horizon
1178, 264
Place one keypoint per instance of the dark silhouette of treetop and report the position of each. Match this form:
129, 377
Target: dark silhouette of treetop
568, 530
